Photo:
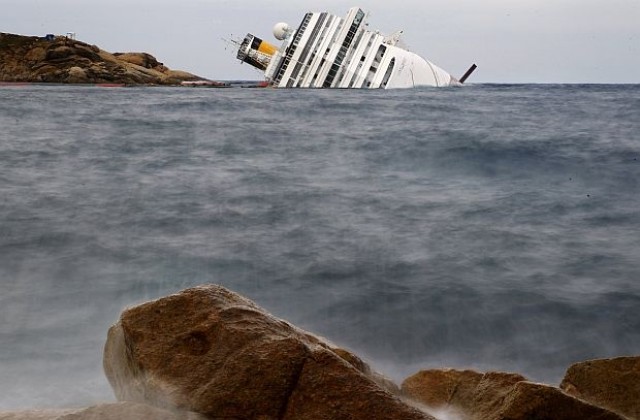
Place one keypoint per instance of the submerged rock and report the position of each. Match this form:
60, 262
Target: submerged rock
129, 411
610, 383
65, 60
214, 352
115, 411
52, 414
497, 396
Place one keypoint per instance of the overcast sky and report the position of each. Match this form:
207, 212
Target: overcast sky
521, 41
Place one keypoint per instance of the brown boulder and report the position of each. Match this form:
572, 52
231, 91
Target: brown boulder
214, 352
438, 387
463, 390
528, 401
496, 396
35, 55
610, 383
77, 75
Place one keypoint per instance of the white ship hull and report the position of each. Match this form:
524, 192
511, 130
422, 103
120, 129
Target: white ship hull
327, 51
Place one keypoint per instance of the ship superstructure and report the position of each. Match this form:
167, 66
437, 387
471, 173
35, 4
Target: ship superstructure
327, 51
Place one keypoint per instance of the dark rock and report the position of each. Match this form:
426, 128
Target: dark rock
58, 53
141, 59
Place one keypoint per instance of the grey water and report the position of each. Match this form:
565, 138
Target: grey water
493, 227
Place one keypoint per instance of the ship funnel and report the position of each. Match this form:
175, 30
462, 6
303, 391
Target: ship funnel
256, 52
468, 73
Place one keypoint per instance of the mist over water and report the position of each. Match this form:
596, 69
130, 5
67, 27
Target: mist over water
486, 227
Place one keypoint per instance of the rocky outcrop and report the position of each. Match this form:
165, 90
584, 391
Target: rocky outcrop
65, 60
115, 411
610, 383
211, 351
497, 396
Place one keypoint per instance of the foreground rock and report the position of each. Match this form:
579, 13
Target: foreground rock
211, 351
610, 383
497, 396
117, 411
64, 60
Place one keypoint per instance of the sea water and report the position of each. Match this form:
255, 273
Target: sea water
492, 227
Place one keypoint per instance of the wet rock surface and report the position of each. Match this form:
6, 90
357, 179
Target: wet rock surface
610, 383
497, 396
214, 352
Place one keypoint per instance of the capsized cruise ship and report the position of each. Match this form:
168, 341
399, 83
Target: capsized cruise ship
327, 51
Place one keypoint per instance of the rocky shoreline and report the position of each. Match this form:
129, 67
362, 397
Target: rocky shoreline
60, 59
209, 353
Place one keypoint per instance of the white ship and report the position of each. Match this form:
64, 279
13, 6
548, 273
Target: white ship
327, 51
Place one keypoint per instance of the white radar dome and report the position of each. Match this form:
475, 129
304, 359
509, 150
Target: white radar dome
281, 31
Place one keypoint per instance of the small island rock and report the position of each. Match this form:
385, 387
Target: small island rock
65, 60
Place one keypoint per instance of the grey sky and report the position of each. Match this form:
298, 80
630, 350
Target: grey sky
538, 41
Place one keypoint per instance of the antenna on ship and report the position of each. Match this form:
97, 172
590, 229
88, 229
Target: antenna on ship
231, 42
394, 38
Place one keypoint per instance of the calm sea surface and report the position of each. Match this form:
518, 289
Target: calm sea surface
485, 227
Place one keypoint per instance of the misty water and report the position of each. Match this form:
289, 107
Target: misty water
493, 227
